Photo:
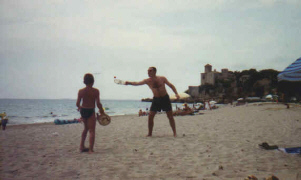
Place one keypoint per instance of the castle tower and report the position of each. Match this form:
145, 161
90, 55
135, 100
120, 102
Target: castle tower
208, 68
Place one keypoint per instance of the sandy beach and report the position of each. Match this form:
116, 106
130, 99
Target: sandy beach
218, 144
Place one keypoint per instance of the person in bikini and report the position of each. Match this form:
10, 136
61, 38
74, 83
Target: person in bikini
89, 96
161, 99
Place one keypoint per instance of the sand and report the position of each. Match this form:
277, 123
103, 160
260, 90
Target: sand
218, 144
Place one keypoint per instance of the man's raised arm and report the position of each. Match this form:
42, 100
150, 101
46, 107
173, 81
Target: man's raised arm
135, 83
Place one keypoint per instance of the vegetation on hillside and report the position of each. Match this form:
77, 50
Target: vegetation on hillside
252, 83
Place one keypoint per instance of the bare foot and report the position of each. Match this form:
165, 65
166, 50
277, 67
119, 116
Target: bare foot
84, 149
148, 135
91, 152
175, 135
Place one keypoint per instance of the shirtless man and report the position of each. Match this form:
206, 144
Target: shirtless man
89, 96
161, 99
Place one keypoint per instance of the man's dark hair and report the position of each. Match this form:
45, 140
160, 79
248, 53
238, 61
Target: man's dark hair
88, 79
155, 69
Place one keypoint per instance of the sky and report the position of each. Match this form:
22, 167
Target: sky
48, 46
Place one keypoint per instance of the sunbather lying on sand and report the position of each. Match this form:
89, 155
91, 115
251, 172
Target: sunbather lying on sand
186, 111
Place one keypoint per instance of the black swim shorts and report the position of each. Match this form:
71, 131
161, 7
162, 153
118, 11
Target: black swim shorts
161, 103
4, 122
86, 112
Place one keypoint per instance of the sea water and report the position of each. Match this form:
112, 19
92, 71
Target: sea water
27, 111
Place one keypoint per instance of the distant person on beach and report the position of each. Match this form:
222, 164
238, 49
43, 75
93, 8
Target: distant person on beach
53, 115
185, 111
161, 99
141, 113
89, 96
4, 120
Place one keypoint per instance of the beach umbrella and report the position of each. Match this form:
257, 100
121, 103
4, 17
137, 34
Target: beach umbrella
292, 72
269, 96
212, 102
182, 96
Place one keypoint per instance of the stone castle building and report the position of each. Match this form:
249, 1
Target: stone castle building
209, 77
